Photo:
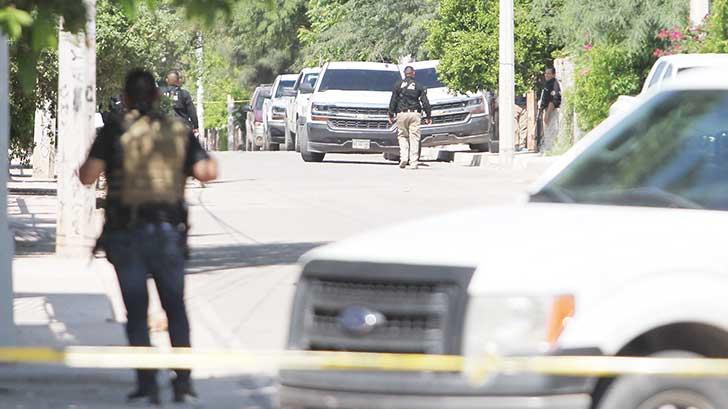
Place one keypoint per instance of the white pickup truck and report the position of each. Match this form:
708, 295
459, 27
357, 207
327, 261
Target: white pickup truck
274, 113
349, 111
298, 106
619, 251
457, 118
669, 68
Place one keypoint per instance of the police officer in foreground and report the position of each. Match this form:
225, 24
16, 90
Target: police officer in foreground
181, 100
409, 99
147, 157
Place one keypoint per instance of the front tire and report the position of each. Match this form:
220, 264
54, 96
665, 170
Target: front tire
493, 146
391, 157
647, 392
305, 154
289, 138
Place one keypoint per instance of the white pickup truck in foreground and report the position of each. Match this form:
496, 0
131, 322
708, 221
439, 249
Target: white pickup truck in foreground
619, 251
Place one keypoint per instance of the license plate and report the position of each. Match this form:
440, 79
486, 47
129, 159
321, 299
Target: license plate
361, 144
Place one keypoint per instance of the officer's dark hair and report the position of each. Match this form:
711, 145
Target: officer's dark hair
409, 67
175, 72
551, 70
140, 89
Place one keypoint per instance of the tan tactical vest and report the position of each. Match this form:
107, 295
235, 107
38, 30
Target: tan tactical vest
154, 152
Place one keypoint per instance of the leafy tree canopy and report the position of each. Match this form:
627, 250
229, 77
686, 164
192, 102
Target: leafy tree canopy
630, 23
369, 30
261, 38
464, 37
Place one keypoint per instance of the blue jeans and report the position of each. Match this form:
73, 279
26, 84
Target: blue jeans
156, 250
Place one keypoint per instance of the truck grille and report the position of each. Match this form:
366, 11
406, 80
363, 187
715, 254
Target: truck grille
446, 119
421, 316
450, 105
359, 111
358, 124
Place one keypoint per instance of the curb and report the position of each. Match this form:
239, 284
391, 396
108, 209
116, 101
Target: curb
520, 160
32, 191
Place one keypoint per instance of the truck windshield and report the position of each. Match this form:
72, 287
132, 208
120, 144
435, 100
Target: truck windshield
671, 152
259, 102
428, 78
310, 79
282, 85
359, 80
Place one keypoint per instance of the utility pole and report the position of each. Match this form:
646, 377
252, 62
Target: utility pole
7, 324
699, 9
76, 228
506, 82
230, 123
201, 87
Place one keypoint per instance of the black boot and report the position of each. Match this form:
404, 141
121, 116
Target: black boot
182, 391
147, 388
151, 394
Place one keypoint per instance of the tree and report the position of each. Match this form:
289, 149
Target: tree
261, 38
32, 26
716, 27
464, 36
158, 39
368, 30
630, 23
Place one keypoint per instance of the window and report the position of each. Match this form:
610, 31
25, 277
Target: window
668, 73
282, 85
658, 73
428, 78
359, 80
672, 152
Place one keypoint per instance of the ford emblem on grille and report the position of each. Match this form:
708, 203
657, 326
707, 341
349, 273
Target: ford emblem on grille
360, 320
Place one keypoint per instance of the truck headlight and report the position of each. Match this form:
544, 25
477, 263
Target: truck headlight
475, 105
279, 112
320, 113
515, 325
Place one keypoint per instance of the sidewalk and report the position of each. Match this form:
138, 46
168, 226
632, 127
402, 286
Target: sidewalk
60, 302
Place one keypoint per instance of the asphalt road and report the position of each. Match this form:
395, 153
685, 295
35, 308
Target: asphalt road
268, 208
248, 230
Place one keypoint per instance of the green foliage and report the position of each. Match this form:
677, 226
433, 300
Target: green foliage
716, 27
261, 38
22, 111
603, 74
630, 23
158, 39
465, 38
220, 81
123, 42
365, 30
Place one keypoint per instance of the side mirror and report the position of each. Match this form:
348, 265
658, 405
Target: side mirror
306, 89
289, 92
247, 108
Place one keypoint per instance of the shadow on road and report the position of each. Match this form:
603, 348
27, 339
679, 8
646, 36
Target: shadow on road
362, 162
34, 237
46, 387
211, 259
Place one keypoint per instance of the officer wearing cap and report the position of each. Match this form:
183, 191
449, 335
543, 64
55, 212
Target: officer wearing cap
409, 100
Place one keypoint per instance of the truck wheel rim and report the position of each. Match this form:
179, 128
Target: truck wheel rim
677, 399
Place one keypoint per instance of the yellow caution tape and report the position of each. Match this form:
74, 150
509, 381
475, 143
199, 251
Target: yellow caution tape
476, 369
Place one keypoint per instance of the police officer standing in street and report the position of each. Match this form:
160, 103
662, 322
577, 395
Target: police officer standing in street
181, 100
409, 99
147, 157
